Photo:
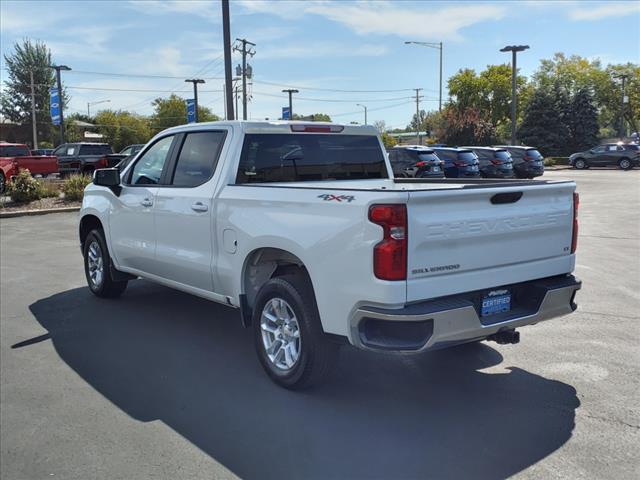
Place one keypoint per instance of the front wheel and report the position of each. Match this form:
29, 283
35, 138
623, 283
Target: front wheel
580, 164
97, 267
625, 164
289, 340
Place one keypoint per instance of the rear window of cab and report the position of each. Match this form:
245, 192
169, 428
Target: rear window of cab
271, 157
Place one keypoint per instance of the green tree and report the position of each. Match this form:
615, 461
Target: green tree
467, 127
172, 111
121, 128
583, 121
489, 92
15, 103
543, 124
314, 117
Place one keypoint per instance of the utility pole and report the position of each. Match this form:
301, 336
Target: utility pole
418, 97
514, 49
226, 35
195, 82
244, 42
57, 68
365, 112
33, 113
290, 91
237, 95
622, 77
437, 46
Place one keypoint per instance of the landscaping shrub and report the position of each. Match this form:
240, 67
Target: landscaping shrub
24, 188
73, 187
48, 190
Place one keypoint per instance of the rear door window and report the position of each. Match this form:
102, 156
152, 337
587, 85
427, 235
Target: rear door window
310, 157
95, 150
503, 155
198, 158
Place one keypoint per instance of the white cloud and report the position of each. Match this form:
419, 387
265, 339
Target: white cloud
202, 8
423, 23
587, 11
287, 9
323, 49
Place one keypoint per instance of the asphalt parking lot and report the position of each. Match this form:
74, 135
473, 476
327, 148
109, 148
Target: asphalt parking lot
160, 384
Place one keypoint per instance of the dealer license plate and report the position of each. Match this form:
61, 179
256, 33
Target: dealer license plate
496, 302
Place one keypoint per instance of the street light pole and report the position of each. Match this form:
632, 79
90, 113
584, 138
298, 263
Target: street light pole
514, 49
437, 46
622, 77
290, 91
195, 82
94, 103
365, 112
57, 68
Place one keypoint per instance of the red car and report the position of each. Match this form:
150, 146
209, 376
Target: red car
17, 156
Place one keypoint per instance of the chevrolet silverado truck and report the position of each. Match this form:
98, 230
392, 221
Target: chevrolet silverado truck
302, 227
17, 156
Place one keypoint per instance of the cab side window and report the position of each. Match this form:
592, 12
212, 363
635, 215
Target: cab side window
148, 168
198, 158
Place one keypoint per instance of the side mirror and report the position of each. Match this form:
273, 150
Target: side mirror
108, 177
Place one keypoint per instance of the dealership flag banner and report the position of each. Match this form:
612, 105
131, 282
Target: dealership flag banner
54, 101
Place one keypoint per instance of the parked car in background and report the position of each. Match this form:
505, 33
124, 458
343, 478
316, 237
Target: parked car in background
458, 162
494, 162
626, 156
528, 162
415, 161
131, 149
42, 151
17, 156
83, 157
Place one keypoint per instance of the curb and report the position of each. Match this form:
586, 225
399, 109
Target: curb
26, 213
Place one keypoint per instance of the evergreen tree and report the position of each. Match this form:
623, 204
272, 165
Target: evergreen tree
583, 121
543, 125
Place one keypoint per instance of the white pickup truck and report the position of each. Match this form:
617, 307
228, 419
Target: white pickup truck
303, 229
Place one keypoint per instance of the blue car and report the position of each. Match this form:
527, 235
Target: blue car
458, 162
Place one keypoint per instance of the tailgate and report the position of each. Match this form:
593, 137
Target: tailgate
470, 239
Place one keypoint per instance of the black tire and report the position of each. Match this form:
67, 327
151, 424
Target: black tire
625, 164
316, 352
3, 182
106, 287
580, 164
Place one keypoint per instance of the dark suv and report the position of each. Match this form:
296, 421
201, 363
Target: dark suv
494, 162
528, 162
415, 162
458, 162
625, 156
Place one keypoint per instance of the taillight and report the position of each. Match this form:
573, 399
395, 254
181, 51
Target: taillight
460, 164
102, 162
390, 255
574, 236
495, 161
527, 158
421, 163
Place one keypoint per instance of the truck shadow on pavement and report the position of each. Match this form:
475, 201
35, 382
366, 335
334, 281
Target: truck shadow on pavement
159, 354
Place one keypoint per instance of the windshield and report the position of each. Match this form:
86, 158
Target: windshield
428, 157
467, 156
14, 151
309, 157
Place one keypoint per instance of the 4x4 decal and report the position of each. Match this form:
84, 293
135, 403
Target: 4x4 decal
338, 198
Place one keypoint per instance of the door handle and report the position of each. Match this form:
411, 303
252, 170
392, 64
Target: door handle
147, 202
199, 207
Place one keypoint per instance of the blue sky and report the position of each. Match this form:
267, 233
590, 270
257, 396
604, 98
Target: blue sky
316, 46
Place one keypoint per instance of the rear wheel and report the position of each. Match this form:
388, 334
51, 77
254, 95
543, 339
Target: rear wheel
289, 340
580, 164
97, 267
625, 164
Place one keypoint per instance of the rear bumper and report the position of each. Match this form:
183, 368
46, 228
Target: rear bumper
456, 319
